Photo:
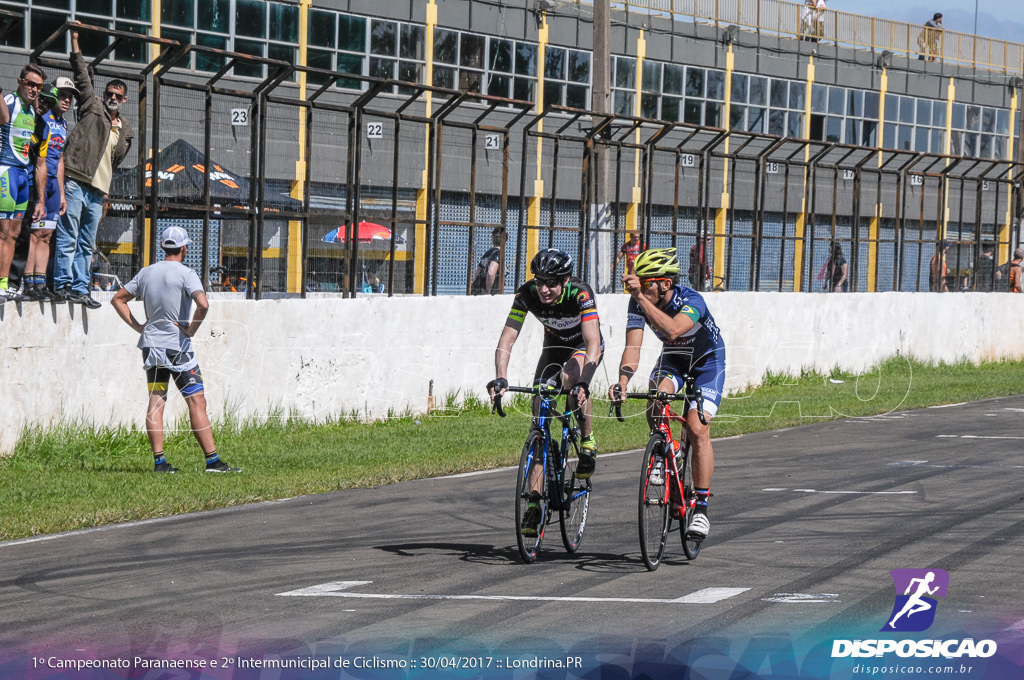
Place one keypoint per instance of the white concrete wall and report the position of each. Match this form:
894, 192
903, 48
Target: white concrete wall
326, 357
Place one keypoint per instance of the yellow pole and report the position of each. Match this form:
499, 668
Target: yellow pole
1004, 228
721, 215
294, 267
801, 219
876, 220
533, 206
633, 211
147, 223
420, 238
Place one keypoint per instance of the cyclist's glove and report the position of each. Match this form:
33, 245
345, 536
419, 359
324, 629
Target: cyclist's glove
581, 385
498, 384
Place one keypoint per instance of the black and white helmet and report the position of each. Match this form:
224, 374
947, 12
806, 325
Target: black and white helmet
551, 263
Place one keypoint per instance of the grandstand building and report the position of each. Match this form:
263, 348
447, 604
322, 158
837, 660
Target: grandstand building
773, 134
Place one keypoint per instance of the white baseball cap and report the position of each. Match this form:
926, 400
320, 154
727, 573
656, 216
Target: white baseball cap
65, 83
174, 237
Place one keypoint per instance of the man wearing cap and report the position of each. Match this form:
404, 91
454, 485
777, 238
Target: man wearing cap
55, 100
167, 290
1014, 271
937, 270
97, 145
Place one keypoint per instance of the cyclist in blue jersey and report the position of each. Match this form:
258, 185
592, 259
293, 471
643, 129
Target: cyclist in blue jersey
572, 351
17, 135
54, 101
692, 344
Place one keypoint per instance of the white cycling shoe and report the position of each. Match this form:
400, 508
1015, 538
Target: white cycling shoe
699, 527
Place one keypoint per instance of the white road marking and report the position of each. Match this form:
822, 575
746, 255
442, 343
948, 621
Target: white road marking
868, 493
340, 589
802, 597
976, 436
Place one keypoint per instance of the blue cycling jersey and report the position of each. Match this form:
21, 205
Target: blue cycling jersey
702, 339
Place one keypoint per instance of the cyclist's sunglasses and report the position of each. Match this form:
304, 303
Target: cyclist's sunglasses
649, 283
549, 283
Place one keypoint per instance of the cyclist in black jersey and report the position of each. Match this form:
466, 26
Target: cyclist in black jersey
572, 351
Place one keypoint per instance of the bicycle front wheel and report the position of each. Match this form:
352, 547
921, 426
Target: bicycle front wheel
690, 546
575, 501
653, 506
533, 453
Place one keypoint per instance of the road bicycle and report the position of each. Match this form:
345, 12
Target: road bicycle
666, 480
562, 492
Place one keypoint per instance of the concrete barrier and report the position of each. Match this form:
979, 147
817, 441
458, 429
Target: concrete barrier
323, 358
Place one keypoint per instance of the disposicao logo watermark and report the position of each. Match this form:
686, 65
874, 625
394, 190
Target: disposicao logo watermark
913, 611
916, 593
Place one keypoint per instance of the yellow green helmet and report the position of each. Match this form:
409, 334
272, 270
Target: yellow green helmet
656, 263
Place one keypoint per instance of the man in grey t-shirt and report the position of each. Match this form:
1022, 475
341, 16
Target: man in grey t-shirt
167, 290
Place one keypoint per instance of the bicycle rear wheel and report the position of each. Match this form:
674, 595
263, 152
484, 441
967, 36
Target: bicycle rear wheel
690, 546
533, 451
652, 509
575, 501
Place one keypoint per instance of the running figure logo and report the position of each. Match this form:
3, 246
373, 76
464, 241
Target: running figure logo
916, 590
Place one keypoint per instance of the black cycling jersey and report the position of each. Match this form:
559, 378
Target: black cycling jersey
563, 320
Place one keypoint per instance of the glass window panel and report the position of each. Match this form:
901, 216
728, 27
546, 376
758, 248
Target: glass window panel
779, 94
526, 59
255, 48
553, 94
382, 68
322, 29
973, 117
501, 55
796, 124
907, 105
716, 85
855, 103
737, 117
285, 53
924, 113
921, 140
470, 81
758, 92
670, 108
889, 137
871, 105
755, 119
350, 63
471, 52
57, 4
207, 62
852, 133
499, 85
959, 115
444, 77
522, 89
251, 18
131, 51
625, 72
970, 144
351, 33
44, 24
892, 108
673, 79
694, 82
319, 59
576, 96
554, 64
101, 7
649, 105
214, 15
410, 46
939, 114
836, 100
623, 103
988, 120
178, 13
998, 147
797, 94
739, 88
284, 22
135, 10
409, 72
579, 67
652, 76
1003, 122
834, 129
938, 141
693, 112
819, 99
777, 123
384, 38
869, 133
713, 114
817, 127
905, 137
446, 46
985, 146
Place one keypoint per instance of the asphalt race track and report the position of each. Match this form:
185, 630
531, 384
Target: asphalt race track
423, 579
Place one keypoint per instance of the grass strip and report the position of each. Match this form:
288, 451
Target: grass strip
72, 477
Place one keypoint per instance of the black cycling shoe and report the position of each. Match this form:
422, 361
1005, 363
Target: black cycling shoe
587, 463
221, 466
165, 467
531, 518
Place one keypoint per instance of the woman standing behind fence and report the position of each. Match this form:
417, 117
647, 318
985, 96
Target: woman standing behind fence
835, 271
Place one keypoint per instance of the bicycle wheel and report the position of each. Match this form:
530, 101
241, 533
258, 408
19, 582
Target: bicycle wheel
533, 450
575, 500
690, 546
652, 510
